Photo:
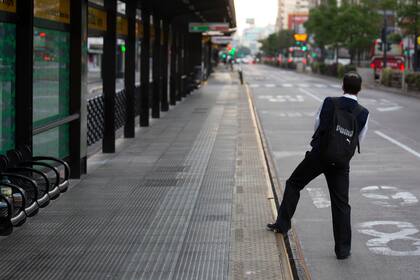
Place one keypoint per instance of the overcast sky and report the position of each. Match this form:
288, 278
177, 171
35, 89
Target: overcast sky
264, 12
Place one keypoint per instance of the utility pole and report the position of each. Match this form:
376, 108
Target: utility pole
416, 35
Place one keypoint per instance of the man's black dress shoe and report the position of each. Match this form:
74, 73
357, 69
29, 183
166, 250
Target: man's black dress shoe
343, 257
276, 228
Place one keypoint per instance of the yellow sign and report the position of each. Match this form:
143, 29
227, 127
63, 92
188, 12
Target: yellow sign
418, 40
55, 10
139, 29
8, 6
122, 26
301, 37
96, 19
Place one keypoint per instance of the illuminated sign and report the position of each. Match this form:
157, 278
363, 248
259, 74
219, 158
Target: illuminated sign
201, 27
8, 6
96, 19
54, 10
300, 37
122, 26
221, 40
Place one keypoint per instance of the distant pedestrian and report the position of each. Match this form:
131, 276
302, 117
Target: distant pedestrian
340, 126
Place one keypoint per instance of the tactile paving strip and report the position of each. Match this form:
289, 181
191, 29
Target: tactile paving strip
254, 253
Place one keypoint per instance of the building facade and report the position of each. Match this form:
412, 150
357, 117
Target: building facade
291, 11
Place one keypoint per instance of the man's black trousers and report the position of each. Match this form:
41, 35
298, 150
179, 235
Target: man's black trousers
338, 185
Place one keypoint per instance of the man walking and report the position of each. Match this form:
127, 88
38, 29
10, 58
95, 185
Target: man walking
340, 125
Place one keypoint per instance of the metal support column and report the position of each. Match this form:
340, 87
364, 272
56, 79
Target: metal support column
173, 77
78, 87
210, 53
24, 70
164, 64
156, 68
130, 71
181, 56
187, 69
145, 66
109, 74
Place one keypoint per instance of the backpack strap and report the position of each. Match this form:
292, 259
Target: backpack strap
355, 112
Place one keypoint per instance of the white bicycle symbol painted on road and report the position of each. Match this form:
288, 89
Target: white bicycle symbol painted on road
389, 196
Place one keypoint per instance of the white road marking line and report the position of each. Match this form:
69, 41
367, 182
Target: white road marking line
320, 85
270, 85
388, 109
304, 85
287, 85
335, 86
399, 144
254, 85
319, 197
311, 94
297, 98
294, 114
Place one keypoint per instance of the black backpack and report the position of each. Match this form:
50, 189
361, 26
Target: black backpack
339, 142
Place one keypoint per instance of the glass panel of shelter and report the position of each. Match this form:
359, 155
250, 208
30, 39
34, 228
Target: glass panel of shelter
51, 77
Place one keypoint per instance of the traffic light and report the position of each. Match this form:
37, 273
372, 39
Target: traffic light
304, 48
123, 49
388, 46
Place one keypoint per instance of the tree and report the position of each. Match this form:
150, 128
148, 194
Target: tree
409, 21
277, 42
357, 27
321, 24
353, 26
269, 44
285, 39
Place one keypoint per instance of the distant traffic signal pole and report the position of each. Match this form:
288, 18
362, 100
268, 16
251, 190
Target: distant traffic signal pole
384, 42
416, 35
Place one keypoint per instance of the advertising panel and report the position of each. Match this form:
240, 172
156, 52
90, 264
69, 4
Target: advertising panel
54, 10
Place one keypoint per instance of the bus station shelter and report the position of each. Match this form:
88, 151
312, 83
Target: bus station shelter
47, 48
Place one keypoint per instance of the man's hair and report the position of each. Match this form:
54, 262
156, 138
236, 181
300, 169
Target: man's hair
352, 82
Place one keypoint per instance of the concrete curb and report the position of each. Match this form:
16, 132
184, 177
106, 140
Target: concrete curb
291, 244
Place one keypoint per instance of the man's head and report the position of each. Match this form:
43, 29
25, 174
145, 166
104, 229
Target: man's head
352, 83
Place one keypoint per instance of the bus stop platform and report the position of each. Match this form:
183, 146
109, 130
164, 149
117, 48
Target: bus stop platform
186, 199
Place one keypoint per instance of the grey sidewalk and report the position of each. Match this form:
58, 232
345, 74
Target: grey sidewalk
186, 199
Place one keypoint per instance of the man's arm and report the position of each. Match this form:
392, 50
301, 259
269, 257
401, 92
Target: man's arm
318, 117
362, 134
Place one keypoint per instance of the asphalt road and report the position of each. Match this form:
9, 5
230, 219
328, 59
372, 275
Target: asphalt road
384, 179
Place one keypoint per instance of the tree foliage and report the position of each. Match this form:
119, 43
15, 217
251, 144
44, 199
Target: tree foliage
353, 26
409, 17
277, 42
